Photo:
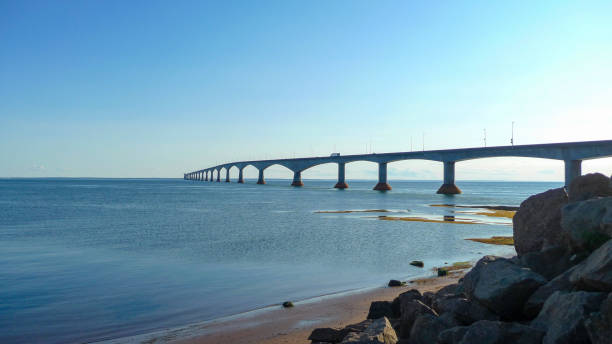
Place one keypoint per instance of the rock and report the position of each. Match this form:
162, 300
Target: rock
537, 223
599, 324
428, 298
549, 262
409, 312
464, 311
452, 335
396, 283
287, 304
595, 273
449, 320
417, 263
360, 326
563, 316
536, 300
589, 186
426, 329
471, 278
379, 332
588, 224
404, 297
451, 289
442, 272
501, 286
497, 332
379, 309
328, 335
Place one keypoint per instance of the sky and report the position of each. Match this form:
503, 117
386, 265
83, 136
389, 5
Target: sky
159, 88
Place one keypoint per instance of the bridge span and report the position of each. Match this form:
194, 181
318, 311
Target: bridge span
571, 153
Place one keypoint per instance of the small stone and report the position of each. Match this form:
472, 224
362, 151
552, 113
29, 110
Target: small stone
417, 263
442, 272
396, 283
287, 304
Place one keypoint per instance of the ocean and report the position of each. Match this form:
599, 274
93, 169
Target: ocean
84, 260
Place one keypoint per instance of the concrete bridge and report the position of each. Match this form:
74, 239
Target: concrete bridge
571, 153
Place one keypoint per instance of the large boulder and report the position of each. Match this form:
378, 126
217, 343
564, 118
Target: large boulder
470, 280
595, 273
497, 332
502, 286
599, 324
549, 262
379, 309
328, 335
537, 223
409, 313
587, 224
536, 301
464, 311
452, 335
451, 289
564, 314
426, 329
379, 332
589, 186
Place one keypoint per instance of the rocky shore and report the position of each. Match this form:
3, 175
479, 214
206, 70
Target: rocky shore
558, 289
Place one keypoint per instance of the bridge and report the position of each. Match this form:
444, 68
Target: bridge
571, 153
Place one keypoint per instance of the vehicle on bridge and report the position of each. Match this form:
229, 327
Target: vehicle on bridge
334, 155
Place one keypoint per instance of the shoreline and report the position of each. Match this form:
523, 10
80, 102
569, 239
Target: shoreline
276, 325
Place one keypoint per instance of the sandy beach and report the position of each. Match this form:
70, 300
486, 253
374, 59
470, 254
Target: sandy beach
292, 325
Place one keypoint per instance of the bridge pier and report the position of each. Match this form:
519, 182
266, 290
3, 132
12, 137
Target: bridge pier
261, 180
573, 169
206, 176
341, 184
297, 179
240, 176
227, 179
201, 176
382, 178
449, 187
219, 176
212, 175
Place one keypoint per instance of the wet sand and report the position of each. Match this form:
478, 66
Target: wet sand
291, 325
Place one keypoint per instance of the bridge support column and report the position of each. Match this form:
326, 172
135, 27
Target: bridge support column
261, 180
449, 187
240, 176
341, 184
297, 179
382, 178
206, 176
219, 176
212, 176
201, 176
573, 169
227, 180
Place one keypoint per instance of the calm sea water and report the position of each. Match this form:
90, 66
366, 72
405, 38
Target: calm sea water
92, 259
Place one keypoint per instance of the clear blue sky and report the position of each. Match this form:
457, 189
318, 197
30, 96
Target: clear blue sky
156, 88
